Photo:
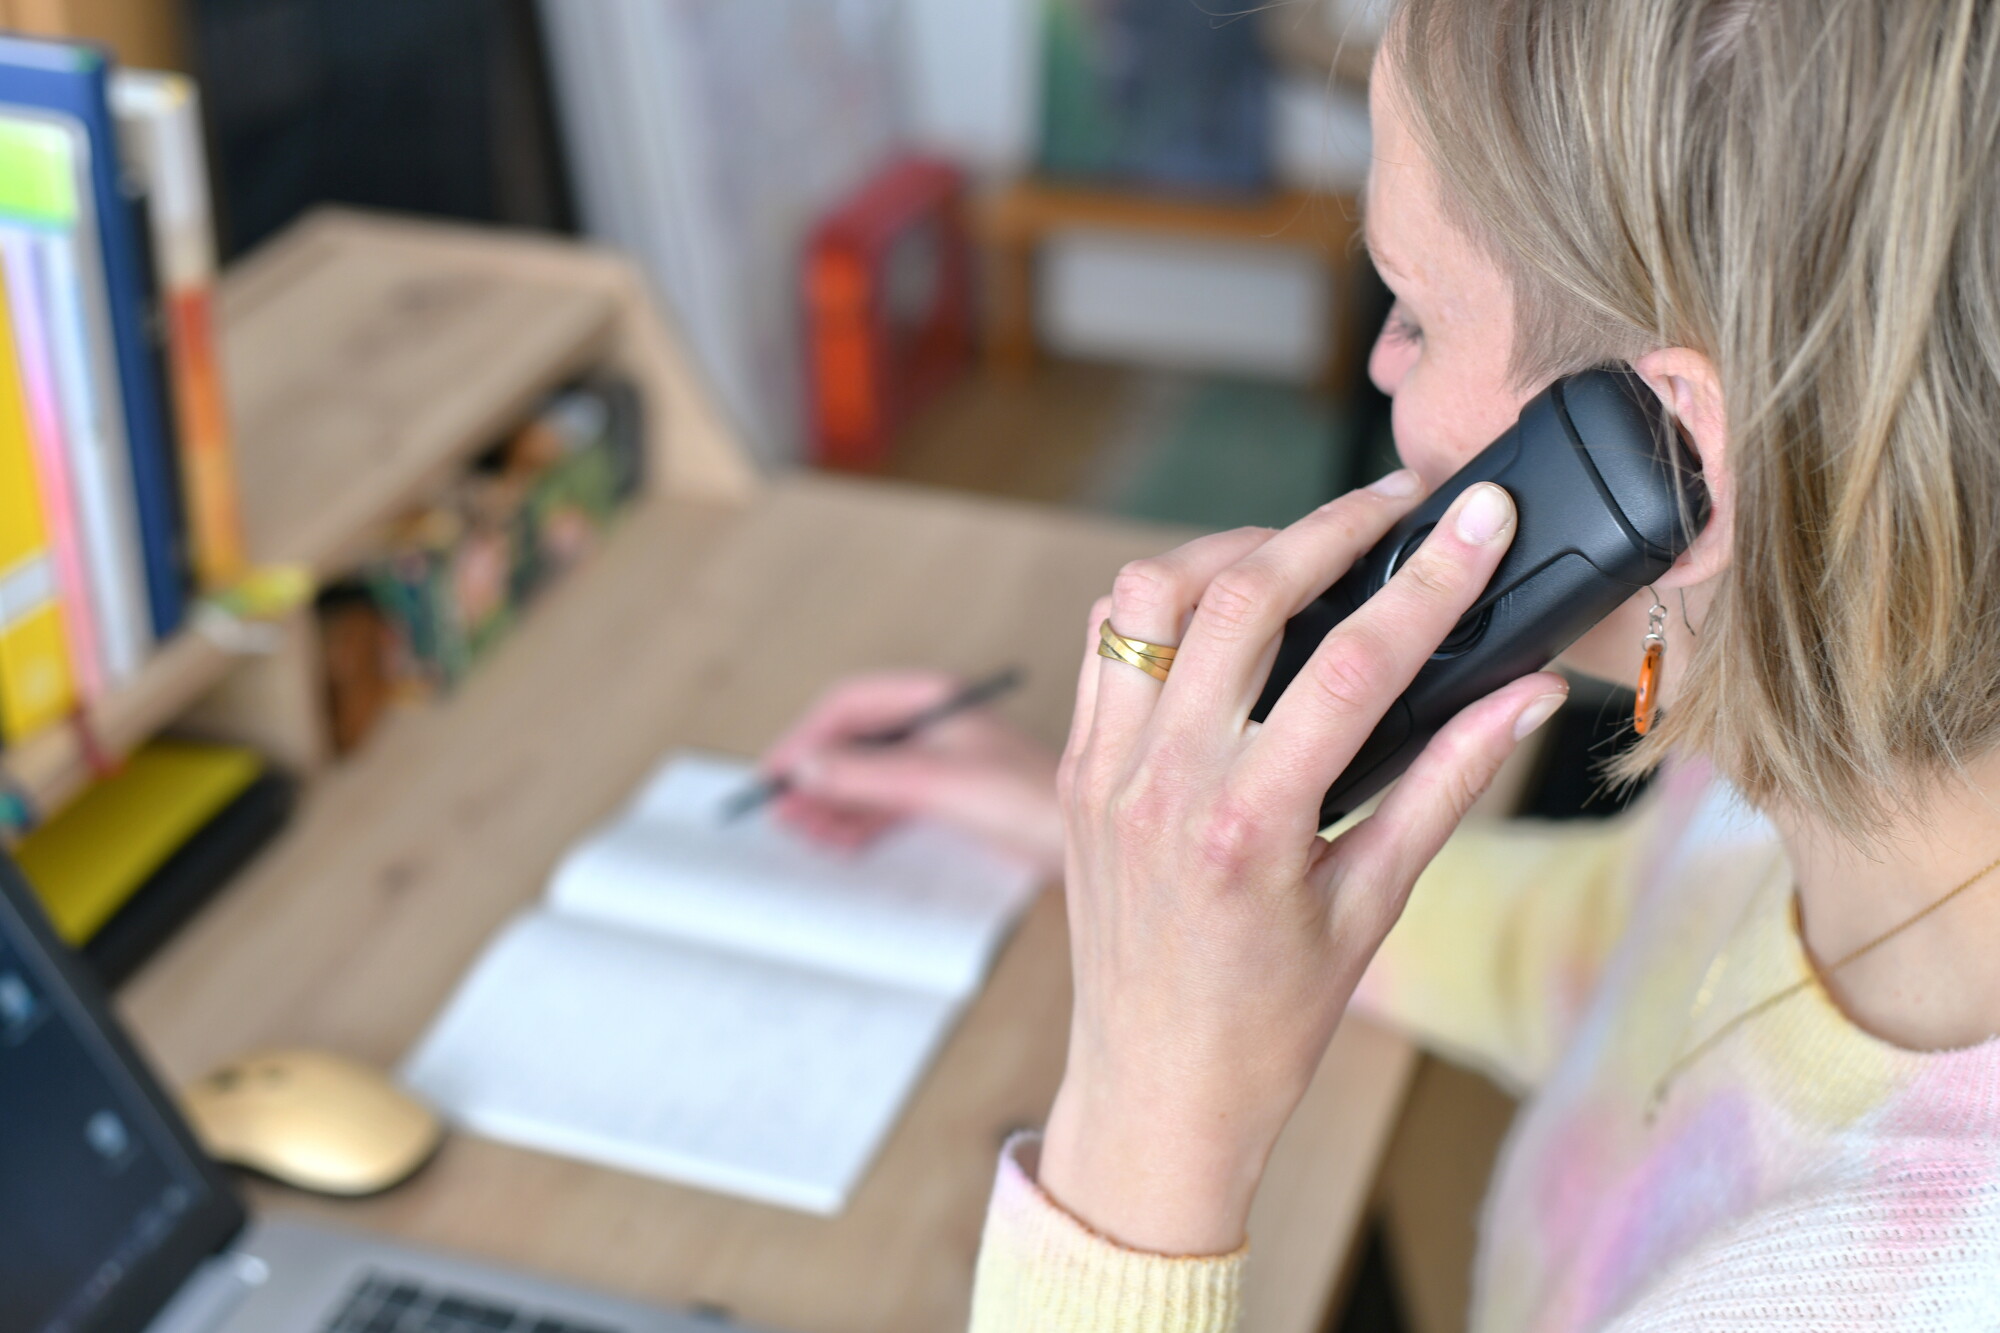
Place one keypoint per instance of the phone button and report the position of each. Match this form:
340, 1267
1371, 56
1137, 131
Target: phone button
1470, 630
1406, 550
1465, 637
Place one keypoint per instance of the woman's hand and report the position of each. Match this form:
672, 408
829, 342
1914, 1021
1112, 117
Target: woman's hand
972, 771
1215, 939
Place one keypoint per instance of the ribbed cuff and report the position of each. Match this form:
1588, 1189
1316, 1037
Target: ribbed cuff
1042, 1269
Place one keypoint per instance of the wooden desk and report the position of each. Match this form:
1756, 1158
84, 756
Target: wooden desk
354, 929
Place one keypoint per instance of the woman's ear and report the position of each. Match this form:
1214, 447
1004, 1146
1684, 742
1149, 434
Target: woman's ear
1687, 383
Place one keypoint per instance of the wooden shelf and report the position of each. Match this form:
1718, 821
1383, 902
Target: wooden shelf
52, 768
367, 358
1029, 209
145, 34
361, 377
1015, 222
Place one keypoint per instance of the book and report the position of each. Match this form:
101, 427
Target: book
722, 1005
50, 450
196, 871
454, 576
90, 860
71, 80
160, 129
37, 680
44, 193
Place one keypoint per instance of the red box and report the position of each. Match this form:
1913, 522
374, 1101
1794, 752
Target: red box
888, 307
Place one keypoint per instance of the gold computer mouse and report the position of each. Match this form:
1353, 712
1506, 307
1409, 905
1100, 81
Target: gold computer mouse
315, 1121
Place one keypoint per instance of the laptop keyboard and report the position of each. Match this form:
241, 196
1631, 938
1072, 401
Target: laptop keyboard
401, 1305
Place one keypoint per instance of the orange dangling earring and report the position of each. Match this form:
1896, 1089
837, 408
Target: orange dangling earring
1647, 708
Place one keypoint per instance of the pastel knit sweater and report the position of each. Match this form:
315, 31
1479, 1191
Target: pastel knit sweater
1801, 1174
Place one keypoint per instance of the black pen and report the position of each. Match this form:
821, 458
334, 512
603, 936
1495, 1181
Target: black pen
973, 695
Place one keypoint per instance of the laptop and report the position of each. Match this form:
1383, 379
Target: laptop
113, 1221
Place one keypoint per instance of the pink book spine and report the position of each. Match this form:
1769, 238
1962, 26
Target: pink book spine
51, 453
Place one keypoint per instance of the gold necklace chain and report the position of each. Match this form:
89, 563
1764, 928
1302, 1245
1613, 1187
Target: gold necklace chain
1705, 994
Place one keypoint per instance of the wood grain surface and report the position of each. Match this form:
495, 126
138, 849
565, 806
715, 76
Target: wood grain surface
713, 625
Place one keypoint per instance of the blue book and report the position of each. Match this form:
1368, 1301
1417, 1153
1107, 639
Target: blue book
70, 81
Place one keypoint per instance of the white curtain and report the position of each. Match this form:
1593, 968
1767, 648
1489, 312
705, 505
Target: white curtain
705, 138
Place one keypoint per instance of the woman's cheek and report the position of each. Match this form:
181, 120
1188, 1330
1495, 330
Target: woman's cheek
1443, 420
1422, 437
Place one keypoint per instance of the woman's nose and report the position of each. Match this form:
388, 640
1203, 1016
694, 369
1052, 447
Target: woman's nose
1390, 360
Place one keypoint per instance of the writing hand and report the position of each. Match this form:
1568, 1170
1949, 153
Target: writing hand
973, 771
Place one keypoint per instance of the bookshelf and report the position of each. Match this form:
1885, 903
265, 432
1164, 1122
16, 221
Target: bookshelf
146, 34
51, 768
367, 357
1025, 214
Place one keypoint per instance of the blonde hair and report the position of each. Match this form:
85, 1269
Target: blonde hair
1806, 192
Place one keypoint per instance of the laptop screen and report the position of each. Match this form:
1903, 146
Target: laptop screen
106, 1205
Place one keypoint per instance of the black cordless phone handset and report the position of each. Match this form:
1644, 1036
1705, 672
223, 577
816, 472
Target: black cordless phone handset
1607, 496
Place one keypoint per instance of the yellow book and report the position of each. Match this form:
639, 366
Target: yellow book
37, 682
87, 862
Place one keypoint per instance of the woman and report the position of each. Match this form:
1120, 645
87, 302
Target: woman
1755, 1017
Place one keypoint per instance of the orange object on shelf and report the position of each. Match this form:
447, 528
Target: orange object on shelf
888, 307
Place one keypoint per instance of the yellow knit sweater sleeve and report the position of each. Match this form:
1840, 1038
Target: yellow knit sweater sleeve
1041, 1269
1505, 936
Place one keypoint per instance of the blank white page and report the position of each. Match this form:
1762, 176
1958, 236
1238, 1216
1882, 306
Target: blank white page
706, 1068
923, 907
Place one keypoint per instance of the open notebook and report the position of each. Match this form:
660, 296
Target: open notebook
725, 1006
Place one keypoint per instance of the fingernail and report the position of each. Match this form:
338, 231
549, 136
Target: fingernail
807, 772
1539, 710
1486, 513
1399, 485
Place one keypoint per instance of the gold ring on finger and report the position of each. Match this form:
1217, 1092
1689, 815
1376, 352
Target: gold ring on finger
1155, 659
